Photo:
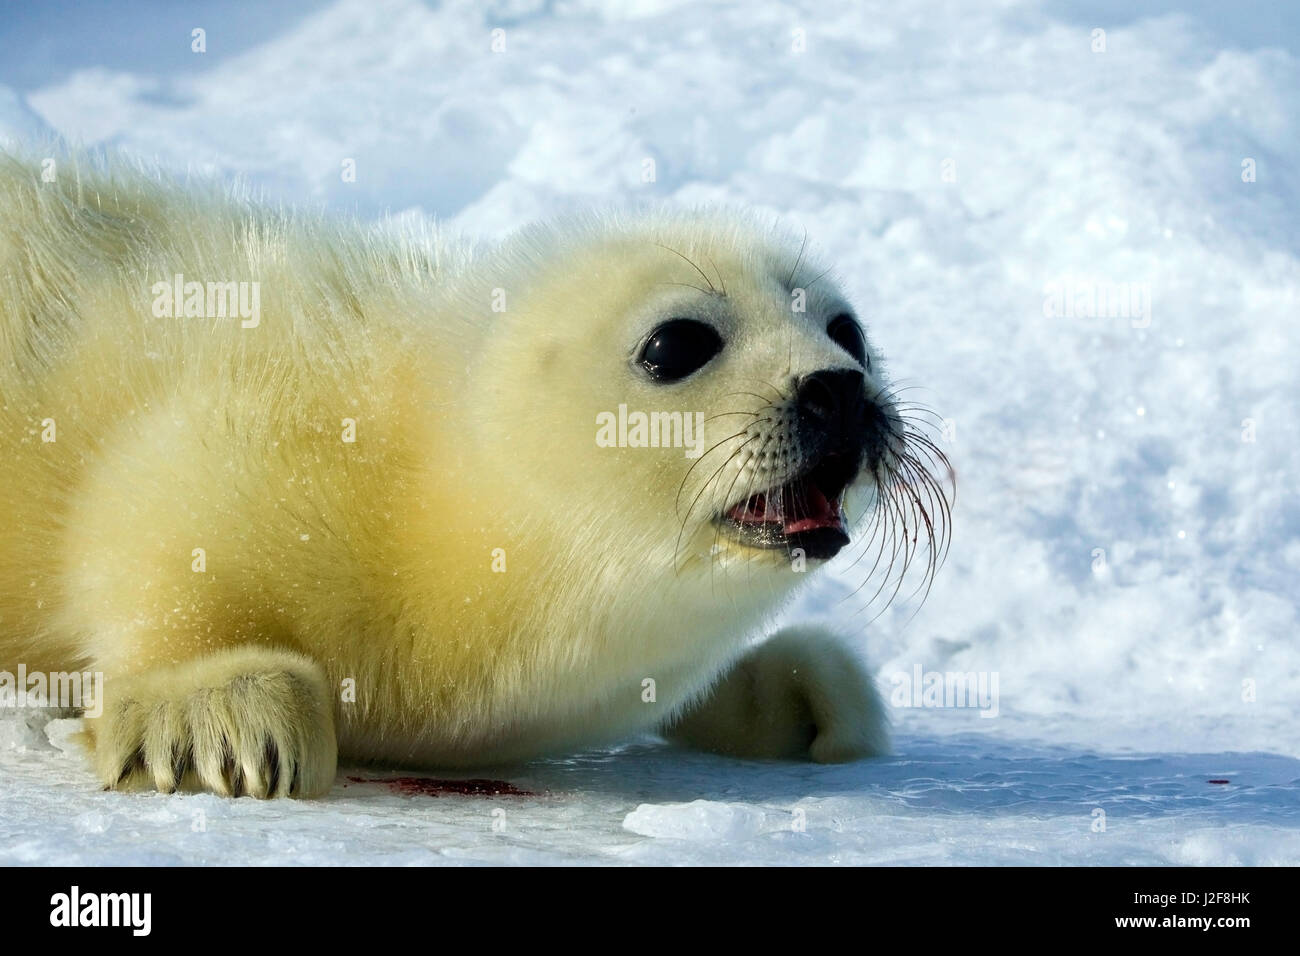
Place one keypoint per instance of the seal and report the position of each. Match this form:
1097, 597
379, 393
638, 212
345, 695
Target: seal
304, 489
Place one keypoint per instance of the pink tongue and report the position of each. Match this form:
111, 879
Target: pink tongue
757, 510
813, 511
810, 510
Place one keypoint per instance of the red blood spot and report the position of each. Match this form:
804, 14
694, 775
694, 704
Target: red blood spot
1218, 781
433, 787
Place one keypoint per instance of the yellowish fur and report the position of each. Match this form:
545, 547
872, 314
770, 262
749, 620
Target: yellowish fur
348, 588
801, 695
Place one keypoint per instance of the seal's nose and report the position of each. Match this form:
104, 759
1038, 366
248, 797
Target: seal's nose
832, 400
834, 416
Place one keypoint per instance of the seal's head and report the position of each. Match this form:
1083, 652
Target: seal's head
700, 394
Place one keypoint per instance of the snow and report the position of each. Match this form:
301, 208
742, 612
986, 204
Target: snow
946, 799
1127, 536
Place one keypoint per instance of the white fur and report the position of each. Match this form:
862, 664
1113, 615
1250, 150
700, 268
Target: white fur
800, 693
371, 562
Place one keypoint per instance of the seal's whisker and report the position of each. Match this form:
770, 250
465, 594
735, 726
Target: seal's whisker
766, 401
910, 504
898, 386
707, 281
677, 500
820, 276
936, 456
703, 488
925, 466
689, 285
940, 499
718, 272
717, 530
789, 282
887, 533
877, 520
909, 543
879, 535
783, 396
749, 488
920, 511
780, 395
919, 415
753, 484
725, 414
920, 442
895, 540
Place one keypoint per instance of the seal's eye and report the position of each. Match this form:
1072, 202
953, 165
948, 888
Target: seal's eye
847, 334
679, 347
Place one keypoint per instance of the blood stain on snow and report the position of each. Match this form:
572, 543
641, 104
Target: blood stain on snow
434, 787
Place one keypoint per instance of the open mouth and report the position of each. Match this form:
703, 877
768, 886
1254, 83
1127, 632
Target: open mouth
806, 512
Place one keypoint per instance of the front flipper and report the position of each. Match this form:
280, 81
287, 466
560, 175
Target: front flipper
248, 720
799, 695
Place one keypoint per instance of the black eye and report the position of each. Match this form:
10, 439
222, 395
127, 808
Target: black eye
847, 334
679, 347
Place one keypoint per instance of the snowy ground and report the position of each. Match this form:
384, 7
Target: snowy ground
961, 799
1127, 538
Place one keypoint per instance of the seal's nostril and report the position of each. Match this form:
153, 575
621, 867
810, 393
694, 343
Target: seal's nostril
831, 407
828, 394
816, 399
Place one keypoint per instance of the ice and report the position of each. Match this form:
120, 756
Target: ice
23, 730
1127, 535
945, 799
698, 820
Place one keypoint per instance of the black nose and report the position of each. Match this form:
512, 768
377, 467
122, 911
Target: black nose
835, 417
832, 402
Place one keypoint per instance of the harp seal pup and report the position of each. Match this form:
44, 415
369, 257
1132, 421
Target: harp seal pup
389, 498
